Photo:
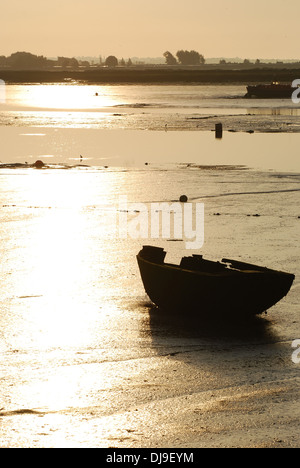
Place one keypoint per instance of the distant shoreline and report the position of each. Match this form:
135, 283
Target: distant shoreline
151, 75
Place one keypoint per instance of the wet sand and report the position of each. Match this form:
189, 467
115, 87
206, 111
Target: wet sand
214, 394
86, 361
117, 148
151, 409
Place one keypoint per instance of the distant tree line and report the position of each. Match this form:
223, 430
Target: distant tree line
24, 60
112, 61
28, 61
184, 57
66, 62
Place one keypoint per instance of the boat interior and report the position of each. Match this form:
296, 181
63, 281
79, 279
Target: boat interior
198, 263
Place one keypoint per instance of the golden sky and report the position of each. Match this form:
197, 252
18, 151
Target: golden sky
147, 28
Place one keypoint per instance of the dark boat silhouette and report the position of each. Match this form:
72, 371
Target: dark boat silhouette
205, 287
273, 90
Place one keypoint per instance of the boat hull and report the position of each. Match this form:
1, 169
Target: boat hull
245, 293
270, 91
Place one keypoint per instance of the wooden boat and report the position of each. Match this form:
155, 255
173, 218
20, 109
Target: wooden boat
206, 287
273, 90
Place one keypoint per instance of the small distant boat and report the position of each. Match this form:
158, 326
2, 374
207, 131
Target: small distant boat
273, 90
208, 288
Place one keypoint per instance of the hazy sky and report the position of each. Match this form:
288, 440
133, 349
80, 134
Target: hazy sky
126, 28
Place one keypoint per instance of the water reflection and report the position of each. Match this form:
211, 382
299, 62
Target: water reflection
61, 96
49, 265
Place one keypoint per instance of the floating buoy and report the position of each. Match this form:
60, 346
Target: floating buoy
38, 164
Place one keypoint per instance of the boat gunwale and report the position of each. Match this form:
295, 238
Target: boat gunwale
229, 272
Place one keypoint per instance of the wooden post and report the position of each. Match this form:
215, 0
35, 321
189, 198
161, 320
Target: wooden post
219, 130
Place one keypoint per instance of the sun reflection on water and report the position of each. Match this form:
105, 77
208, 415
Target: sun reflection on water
60, 96
58, 259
